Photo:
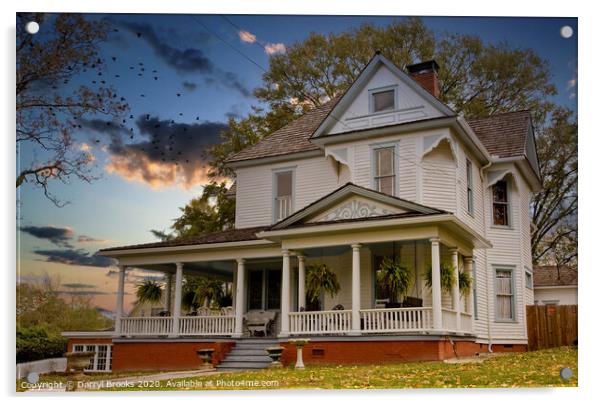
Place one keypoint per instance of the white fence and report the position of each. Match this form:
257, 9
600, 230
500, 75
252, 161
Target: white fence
320, 322
449, 319
56, 365
207, 325
396, 319
139, 326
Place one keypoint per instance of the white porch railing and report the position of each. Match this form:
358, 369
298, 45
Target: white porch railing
284, 206
156, 325
396, 319
449, 319
320, 322
465, 322
207, 325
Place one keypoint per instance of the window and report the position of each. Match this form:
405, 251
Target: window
384, 170
103, 356
500, 203
383, 100
469, 185
474, 290
264, 289
528, 279
504, 295
283, 194
381, 293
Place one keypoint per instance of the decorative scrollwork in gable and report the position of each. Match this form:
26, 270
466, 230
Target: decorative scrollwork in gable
355, 209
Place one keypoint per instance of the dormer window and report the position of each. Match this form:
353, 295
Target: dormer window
283, 194
382, 99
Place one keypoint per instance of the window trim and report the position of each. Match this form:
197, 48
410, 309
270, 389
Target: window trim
275, 172
469, 187
508, 206
385, 145
475, 300
371, 93
264, 290
530, 274
512, 270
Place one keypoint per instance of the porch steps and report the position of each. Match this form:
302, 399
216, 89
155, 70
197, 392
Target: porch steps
248, 354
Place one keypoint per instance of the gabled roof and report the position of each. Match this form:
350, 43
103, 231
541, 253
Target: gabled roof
551, 276
360, 81
347, 190
231, 235
292, 138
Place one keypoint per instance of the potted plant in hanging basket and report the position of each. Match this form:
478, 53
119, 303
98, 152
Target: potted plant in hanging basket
465, 283
448, 277
396, 279
320, 279
149, 291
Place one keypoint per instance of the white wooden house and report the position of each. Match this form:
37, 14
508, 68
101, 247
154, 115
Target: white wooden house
384, 169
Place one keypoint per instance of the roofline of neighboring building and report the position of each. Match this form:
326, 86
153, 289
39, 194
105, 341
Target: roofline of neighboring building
89, 334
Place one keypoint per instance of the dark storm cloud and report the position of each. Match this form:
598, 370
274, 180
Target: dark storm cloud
78, 285
189, 60
57, 235
82, 292
74, 257
170, 153
190, 86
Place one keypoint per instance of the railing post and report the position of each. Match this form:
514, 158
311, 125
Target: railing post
436, 285
120, 293
240, 285
355, 290
285, 298
456, 288
177, 305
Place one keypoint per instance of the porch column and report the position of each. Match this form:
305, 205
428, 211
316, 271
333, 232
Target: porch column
456, 288
356, 328
177, 305
239, 308
301, 293
119, 307
168, 283
285, 300
436, 285
469, 297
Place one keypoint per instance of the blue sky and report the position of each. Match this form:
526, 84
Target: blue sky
214, 82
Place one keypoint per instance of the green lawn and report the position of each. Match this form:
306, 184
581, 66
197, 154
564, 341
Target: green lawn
532, 369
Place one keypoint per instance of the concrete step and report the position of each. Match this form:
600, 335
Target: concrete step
252, 359
248, 352
243, 365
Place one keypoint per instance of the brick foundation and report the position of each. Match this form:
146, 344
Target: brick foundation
143, 356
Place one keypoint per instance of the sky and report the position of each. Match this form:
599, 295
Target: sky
188, 74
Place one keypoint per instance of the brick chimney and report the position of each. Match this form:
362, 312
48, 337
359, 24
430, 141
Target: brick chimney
425, 73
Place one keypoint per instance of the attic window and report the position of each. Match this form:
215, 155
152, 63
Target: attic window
383, 100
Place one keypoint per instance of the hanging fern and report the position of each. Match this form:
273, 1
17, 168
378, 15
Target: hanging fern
320, 279
395, 278
149, 291
448, 277
465, 282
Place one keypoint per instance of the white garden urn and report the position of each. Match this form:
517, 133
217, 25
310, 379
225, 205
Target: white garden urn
299, 343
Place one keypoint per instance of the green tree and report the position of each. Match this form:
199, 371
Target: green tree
48, 109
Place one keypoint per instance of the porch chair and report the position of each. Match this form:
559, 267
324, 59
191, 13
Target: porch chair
259, 322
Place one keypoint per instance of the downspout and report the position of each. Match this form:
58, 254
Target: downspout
489, 338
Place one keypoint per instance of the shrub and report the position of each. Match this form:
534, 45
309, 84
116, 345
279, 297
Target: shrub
36, 343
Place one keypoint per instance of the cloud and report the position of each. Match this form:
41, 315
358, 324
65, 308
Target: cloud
189, 60
74, 257
171, 153
82, 292
190, 86
84, 239
571, 83
78, 285
246, 36
272, 49
60, 236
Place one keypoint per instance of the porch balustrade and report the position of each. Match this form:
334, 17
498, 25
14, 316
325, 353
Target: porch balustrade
449, 319
144, 326
214, 325
396, 320
320, 322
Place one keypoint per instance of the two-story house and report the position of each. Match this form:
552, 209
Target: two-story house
384, 170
